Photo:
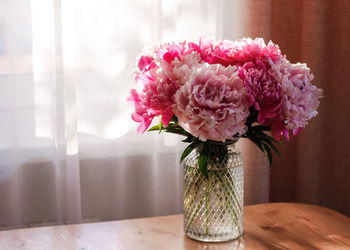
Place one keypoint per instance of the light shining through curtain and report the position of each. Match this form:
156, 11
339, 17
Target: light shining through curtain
68, 148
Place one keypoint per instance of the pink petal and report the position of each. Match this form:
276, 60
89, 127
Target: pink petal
136, 117
146, 121
167, 115
194, 47
142, 79
286, 134
168, 57
144, 62
296, 131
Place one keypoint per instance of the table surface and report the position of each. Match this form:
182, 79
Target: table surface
266, 226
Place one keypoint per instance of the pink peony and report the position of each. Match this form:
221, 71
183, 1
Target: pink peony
160, 76
148, 60
215, 51
182, 67
169, 52
213, 103
239, 52
170, 56
249, 50
300, 99
159, 55
140, 115
263, 90
154, 99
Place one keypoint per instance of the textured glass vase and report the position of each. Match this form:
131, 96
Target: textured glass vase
213, 207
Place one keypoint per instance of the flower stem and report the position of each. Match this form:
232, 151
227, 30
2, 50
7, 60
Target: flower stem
207, 193
229, 206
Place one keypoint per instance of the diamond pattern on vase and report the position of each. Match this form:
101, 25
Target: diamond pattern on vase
213, 208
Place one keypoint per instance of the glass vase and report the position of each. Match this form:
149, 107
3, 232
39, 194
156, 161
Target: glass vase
213, 207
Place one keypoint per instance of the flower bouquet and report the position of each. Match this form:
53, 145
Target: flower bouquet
214, 92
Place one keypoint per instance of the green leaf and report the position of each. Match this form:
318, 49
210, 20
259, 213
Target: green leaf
260, 133
261, 128
176, 132
267, 152
188, 139
176, 129
171, 128
188, 150
174, 119
255, 140
252, 117
160, 126
156, 127
263, 146
203, 161
267, 141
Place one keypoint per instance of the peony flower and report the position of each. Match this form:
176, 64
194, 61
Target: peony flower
215, 51
182, 67
148, 59
141, 114
213, 103
249, 50
263, 91
169, 56
154, 99
161, 54
160, 75
300, 99
237, 53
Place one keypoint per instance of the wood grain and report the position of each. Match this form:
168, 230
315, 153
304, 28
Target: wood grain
266, 226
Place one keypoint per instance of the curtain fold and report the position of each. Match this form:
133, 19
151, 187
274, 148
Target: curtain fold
314, 165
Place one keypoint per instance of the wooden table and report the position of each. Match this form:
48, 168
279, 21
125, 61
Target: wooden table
266, 226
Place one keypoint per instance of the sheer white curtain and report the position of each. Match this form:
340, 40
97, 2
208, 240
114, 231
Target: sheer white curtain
69, 151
